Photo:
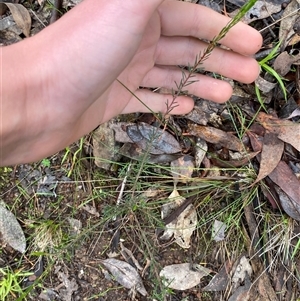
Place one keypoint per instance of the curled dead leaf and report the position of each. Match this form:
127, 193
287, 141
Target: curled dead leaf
21, 17
270, 156
125, 274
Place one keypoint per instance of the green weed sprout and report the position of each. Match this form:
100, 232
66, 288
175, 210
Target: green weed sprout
10, 282
264, 65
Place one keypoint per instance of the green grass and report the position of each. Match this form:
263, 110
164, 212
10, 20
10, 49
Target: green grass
10, 283
265, 65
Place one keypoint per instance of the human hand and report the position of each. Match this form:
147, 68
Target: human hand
139, 42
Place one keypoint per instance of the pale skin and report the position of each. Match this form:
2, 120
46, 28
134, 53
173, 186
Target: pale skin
61, 84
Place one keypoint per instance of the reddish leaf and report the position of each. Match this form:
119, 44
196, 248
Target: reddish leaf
255, 140
288, 205
284, 177
270, 156
286, 130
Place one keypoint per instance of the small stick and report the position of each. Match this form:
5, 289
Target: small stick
56, 11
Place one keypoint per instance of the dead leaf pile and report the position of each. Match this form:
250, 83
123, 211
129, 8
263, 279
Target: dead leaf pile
278, 133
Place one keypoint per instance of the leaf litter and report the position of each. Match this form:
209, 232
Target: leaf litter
11, 230
183, 226
211, 146
125, 274
183, 276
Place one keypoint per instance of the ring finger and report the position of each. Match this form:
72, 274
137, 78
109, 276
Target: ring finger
198, 85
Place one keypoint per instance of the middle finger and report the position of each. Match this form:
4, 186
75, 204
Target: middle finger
184, 51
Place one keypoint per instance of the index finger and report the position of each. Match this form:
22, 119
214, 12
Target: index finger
186, 19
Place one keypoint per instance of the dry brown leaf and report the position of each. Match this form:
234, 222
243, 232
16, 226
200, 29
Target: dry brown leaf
284, 61
220, 281
132, 151
120, 131
265, 288
270, 156
288, 205
104, 146
286, 130
234, 163
216, 136
284, 177
21, 17
264, 85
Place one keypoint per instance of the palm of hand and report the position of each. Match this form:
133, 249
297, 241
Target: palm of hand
120, 100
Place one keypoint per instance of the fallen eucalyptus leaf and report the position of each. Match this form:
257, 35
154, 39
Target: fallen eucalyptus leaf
260, 10
200, 151
125, 274
289, 16
21, 17
220, 281
264, 85
104, 146
120, 131
289, 206
11, 230
284, 177
284, 61
132, 151
244, 159
183, 276
243, 268
286, 130
216, 136
295, 113
184, 225
153, 139
218, 230
271, 154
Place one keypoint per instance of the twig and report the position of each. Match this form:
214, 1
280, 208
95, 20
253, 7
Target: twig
56, 11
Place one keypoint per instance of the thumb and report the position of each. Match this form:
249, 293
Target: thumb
139, 11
